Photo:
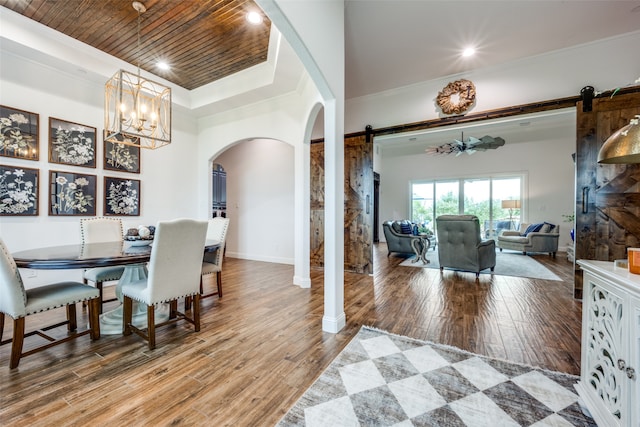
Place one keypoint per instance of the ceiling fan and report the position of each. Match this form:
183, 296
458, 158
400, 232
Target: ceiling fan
469, 146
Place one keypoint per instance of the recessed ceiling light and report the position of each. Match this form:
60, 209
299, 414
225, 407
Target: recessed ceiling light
254, 18
468, 52
163, 65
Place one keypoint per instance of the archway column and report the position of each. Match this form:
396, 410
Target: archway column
334, 318
301, 269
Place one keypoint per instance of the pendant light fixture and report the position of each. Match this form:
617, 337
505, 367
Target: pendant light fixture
623, 146
137, 110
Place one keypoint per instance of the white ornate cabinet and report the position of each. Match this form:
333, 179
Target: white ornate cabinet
609, 384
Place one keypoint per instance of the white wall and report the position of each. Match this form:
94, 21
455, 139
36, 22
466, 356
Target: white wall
260, 202
548, 167
605, 65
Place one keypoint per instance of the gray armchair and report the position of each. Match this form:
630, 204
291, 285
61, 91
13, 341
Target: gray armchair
397, 241
460, 245
545, 240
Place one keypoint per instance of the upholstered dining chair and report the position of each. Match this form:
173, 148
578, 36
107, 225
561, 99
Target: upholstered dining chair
18, 302
98, 230
174, 272
212, 262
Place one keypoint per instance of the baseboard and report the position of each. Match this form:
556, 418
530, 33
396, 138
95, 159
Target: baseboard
334, 324
276, 260
303, 282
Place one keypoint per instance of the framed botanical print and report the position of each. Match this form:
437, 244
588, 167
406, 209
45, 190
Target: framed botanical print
18, 191
72, 193
19, 133
121, 196
121, 157
72, 143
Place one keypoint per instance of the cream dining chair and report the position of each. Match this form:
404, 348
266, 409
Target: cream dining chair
174, 272
99, 230
212, 262
18, 302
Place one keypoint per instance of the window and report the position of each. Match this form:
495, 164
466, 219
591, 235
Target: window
482, 197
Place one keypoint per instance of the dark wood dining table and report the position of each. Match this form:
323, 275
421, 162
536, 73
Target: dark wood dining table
91, 255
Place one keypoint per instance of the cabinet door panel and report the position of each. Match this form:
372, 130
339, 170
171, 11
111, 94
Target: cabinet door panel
605, 340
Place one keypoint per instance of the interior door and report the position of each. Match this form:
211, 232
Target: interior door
358, 204
607, 196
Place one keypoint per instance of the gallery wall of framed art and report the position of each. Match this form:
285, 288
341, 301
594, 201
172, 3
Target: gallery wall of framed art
67, 187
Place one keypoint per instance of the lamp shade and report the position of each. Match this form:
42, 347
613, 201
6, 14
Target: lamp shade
622, 147
511, 204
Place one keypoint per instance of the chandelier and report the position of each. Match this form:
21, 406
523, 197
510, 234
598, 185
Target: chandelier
137, 110
469, 146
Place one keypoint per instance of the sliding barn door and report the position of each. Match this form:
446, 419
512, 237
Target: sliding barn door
607, 196
358, 205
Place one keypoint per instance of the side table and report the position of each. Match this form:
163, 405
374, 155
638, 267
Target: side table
422, 248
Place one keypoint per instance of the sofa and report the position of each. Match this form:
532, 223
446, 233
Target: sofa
461, 246
538, 237
399, 235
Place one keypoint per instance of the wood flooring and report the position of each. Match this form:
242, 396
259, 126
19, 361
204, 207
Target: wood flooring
262, 344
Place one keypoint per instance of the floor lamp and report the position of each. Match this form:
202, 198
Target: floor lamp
511, 205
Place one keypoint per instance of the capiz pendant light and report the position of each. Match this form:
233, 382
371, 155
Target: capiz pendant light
137, 110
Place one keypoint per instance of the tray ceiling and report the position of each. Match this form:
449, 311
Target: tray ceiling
202, 41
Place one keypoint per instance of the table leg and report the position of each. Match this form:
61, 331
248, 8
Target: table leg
425, 247
421, 252
111, 321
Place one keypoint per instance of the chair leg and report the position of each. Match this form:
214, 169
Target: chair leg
127, 315
84, 303
196, 312
94, 318
1, 325
173, 308
99, 286
219, 282
71, 317
18, 340
151, 326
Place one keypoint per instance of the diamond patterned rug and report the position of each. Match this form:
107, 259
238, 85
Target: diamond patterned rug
381, 379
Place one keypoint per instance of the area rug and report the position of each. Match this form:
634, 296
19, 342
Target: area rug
507, 264
381, 379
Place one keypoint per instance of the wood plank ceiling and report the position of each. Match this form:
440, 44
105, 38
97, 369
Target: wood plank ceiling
202, 40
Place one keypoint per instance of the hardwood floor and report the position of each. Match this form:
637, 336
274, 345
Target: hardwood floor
262, 345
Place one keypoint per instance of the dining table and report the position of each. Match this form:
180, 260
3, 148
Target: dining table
133, 255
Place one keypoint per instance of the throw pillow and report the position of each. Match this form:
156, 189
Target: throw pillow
551, 227
533, 228
405, 228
